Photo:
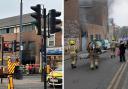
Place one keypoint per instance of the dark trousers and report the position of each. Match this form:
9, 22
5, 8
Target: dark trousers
122, 57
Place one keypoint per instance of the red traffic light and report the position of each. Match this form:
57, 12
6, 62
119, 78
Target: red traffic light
6, 44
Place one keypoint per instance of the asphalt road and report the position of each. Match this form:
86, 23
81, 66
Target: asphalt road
84, 78
28, 82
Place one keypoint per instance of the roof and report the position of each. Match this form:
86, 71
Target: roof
11, 21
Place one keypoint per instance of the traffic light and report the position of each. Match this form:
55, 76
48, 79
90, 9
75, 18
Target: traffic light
53, 22
37, 16
7, 46
15, 46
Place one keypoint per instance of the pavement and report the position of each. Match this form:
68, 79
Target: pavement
28, 82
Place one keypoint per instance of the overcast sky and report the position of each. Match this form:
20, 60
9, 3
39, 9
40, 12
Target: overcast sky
119, 12
9, 8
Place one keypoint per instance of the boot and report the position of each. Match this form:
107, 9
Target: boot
92, 67
72, 66
96, 64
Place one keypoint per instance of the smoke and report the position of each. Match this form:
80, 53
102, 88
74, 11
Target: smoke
118, 11
110, 5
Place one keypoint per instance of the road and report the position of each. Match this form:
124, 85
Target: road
28, 82
84, 78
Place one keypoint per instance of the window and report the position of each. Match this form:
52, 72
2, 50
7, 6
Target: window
7, 30
10, 30
97, 37
27, 28
91, 37
51, 41
2, 31
29, 53
31, 47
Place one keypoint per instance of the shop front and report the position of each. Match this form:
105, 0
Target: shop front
54, 57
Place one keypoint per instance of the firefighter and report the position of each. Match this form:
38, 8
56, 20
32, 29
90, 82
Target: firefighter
94, 50
113, 48
73, 53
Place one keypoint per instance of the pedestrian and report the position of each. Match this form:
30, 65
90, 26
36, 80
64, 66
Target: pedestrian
48, 69
30, 68
73, 53
93, 50
112, 49
122, 51
27, 69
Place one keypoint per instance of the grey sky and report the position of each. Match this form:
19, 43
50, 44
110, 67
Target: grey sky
9, 8
119, 12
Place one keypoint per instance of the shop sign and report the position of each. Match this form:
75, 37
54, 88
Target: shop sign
54, 51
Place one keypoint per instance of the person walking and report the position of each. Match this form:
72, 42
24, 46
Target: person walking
73, 53
27, 69
112, 49
93, 50
122, 51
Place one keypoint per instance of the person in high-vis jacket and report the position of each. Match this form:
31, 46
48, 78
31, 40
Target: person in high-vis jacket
73, 53
93, 50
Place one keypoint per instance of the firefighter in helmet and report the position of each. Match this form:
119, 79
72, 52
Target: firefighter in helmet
93, 49
113, 49
73, 53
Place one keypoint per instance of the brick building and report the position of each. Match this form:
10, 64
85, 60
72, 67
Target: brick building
71, 21
91, 17
32, 43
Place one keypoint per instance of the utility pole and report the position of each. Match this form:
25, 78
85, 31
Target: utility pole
21, 28
2, 41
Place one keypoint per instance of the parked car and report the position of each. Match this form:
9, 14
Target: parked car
105, 44
55, 77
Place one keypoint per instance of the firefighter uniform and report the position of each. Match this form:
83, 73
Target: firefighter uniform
73, 53
93, 50
113, 48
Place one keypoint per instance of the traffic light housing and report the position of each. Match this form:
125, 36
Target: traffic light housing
15, 46
53, 22
37, 16
6, 47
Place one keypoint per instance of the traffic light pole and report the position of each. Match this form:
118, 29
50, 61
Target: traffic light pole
45, 56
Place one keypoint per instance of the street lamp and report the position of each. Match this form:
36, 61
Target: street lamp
21, 27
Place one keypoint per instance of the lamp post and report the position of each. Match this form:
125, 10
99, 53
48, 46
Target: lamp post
21, 28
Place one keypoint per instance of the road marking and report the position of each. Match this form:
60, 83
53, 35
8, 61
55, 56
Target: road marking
119, 78
116, 79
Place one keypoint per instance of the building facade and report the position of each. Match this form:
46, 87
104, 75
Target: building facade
32, 43
71, 22
90, 19
93, 20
